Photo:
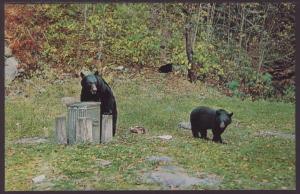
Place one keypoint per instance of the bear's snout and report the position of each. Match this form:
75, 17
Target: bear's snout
93, 89
222, 125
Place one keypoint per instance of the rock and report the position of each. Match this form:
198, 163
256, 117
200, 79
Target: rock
60, 82
43, 186
171, 169
164, 159
172, 180
120, 68
165, 137
31, 140
209, 179
11, 70
7, 51
10, 74
103, 163
275, 134
184, 125
39, 179
11, 61
42, 90
176, 177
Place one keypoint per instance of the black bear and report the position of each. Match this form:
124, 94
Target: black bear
203, 118
95, 88
166, 68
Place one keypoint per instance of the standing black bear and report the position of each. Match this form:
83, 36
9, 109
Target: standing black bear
203, 118
94, 88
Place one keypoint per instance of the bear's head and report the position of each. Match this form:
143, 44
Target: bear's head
223, 118
90, 82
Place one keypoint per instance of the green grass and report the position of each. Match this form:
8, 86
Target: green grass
158, 104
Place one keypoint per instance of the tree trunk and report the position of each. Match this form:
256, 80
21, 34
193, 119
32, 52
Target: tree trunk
241, 34
164, 35
192, 66
192, 70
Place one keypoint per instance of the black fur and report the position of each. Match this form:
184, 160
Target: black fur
166, 68
95, 88
203, 118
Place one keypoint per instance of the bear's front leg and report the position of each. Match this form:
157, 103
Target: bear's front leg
217, 138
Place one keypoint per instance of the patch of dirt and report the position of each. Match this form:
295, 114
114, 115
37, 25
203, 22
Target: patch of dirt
275, 134
31, 140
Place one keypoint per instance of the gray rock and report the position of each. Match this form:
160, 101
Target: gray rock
10, 73
43, 186
119, 68
171, 179
11, 61
158, 159
176, 177
59, 82
275, 134
31, 140
42, 90
7, 51
39, 179
11, 70
170, 168
103, 163
184, 125
209, 179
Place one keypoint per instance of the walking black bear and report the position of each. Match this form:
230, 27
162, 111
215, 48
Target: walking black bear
94, 88
203, 118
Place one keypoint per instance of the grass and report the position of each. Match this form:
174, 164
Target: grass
157, 103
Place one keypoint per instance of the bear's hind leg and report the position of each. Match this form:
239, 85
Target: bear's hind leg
195, 133
203, 134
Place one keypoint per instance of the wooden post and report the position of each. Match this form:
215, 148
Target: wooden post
60, 129
106, 132
96, 131
88, 132
84, 130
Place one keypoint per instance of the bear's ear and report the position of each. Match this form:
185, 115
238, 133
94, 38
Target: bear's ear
218, 112
96, 72
82, 75
230, 114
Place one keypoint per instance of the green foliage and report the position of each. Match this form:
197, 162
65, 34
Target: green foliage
179, 56
233, 41
207, 55
267, 78
289, 94
233, 85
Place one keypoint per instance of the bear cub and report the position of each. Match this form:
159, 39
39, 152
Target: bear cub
166, 68
203, 118
95, 88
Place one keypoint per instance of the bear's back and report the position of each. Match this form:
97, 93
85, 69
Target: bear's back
203, 117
